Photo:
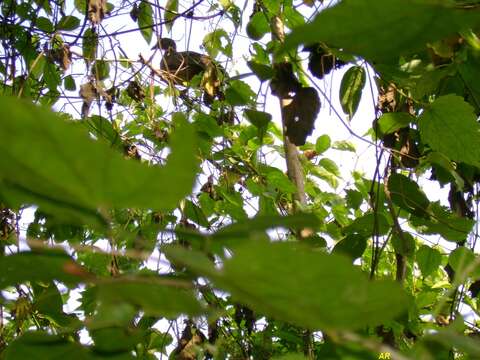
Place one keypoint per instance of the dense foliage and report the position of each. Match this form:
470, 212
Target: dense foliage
179, 204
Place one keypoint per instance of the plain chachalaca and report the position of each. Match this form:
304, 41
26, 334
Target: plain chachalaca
179, 68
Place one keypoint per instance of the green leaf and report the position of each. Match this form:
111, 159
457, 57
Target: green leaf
376, 29
68, 23
239, 93
352, 245
101, 69
369, 224
44, 24
280, 181
171, 13
470, 73
428, 259
70, 175
155, 296
322, 144
450, 126
263, 72
159, 341
403, 245
260, 119
213, 43
354, 199
388, 123
81, 6
145, 20
29, 266
90, 44
330, 166
351, 89
115, 339
327, 290
343, 145
462, 259
258, 26
450, 226
407, 194
41, 346
69, 83
262, 223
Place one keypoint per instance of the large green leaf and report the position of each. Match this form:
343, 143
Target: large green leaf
310, 289
29, 266
55, 164
155, 296
382, 30
43, 346
450, 126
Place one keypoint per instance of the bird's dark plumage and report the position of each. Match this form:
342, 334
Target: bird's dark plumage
181, 67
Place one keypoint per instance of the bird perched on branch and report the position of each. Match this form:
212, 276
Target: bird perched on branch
179, 68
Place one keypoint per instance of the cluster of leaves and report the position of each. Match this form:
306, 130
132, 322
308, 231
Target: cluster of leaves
152, 212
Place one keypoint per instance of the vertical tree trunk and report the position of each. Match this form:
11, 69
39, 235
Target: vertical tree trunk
294, 167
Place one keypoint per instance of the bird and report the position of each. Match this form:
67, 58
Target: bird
181, 67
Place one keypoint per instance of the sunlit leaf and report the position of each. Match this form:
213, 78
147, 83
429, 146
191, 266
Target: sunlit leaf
428, 259
351, 89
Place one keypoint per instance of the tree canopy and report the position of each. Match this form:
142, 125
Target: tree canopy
187, 180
